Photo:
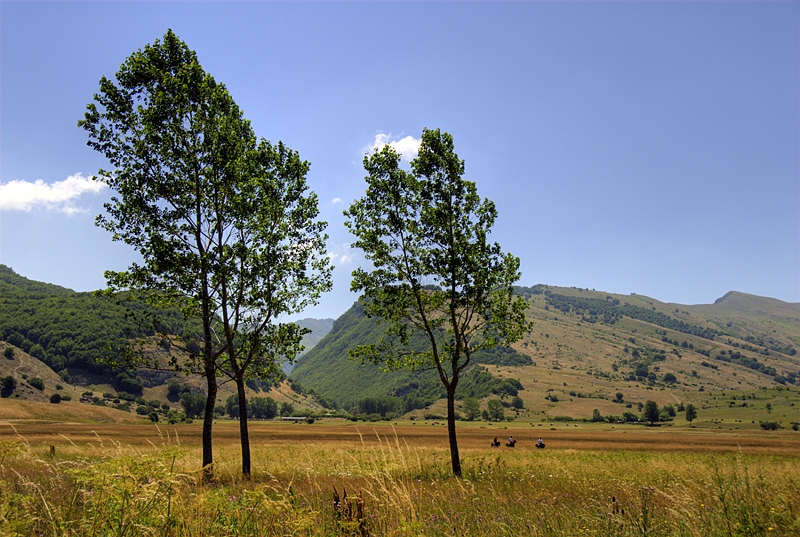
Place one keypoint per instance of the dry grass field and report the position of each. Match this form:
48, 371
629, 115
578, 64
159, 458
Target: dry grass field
343, 479
422, 435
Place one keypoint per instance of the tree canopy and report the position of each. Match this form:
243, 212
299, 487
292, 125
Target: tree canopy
222, 222
434, 270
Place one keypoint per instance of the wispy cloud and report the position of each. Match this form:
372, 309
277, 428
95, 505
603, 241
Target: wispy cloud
336, 200
408, 147
59, 196
340, 254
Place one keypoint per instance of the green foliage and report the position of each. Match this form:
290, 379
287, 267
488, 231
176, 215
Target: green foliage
471, 408
517, 402
263, 408
55, 398
73, 330
37, 383
193, 405
257, 407
287, 409
495, 409
651, 412
735, 357
434, 271
691, 413
223, 221
630, 417
8, 353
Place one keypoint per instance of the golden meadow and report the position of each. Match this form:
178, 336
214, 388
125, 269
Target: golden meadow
115, 480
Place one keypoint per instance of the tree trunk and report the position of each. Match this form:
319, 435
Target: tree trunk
208, 422
245, 438
451, 431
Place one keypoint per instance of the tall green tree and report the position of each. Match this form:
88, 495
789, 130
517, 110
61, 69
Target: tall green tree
691, 413
434, 270
496, 410
222, 222
472, 408
273, 265
651, 412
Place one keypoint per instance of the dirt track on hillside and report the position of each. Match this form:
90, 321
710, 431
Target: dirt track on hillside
271, 433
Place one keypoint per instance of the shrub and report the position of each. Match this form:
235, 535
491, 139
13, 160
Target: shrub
55, 398
37, 383
64, 374
8, 352
769, 425
9, 385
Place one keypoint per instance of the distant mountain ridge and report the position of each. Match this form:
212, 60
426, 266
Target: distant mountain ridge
319, 328
581, 334
589, 343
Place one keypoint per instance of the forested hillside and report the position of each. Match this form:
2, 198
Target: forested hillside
64, 329
328, 370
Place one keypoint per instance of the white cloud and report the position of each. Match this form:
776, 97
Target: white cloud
59, 196
408, 147
340, 254
336, 200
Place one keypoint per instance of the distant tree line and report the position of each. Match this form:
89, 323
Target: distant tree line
609, 311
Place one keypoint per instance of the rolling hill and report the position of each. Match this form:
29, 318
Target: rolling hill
587, 350
588, 346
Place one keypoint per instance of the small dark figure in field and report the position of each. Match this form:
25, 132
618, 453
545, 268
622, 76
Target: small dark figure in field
540, 444
496, 442
511, 442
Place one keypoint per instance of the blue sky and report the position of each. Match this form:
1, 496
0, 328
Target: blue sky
630, 147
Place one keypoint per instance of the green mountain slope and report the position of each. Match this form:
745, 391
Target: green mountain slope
329, 372
60, 327
587, 346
